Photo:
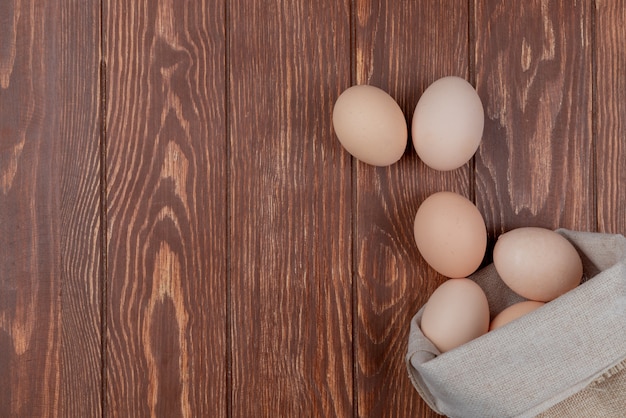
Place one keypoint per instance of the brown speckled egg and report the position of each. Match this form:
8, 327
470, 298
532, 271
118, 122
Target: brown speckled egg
450, 234
537, 263
456, 313
448, 124
370, 125
513, 312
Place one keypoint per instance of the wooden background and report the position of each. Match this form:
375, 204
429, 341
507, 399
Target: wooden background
181, 233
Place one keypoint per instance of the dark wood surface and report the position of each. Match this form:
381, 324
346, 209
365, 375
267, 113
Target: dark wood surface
166, 217
390, 278
181, 233
50, 220
290, 211
535, 165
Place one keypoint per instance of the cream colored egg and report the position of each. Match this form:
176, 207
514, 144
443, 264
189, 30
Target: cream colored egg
448, 124
537, 263
513, 312
450, 234
370, 125
456, 313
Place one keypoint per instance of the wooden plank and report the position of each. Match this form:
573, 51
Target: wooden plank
401, 48
533, 70
166, 194
50, 266
610, 44
290, 208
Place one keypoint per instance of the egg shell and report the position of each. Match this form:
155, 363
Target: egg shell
513, 312
448, 124
450, 234
537, 263
456, 313
370, 125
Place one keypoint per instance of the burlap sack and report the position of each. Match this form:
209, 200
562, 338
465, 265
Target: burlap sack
565, 359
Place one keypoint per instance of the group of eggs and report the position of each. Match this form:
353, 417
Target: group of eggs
371, 126
537, 264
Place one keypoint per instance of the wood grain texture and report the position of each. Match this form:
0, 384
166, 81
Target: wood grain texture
610, 41
401, 48
290, 207
166, 210
251, 267
533, 69
49, 210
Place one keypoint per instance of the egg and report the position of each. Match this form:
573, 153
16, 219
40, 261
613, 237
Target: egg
513, 312
448, 124
537, 263
450, 234
456, 313
370, 125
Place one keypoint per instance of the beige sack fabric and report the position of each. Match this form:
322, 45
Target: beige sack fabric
568, 355
604, 398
